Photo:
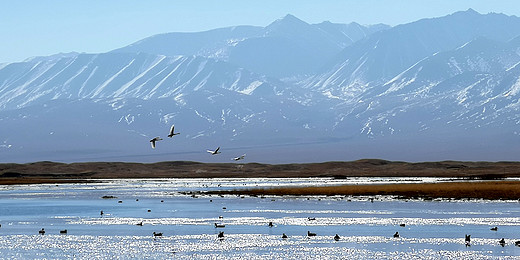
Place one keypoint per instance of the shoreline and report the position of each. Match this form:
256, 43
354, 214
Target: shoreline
187, 169
488, 172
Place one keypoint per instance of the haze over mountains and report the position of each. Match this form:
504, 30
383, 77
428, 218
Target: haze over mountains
435, 89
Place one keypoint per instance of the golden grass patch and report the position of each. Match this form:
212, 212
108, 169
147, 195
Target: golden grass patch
456, 190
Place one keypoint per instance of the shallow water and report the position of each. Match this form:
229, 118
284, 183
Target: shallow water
434, 229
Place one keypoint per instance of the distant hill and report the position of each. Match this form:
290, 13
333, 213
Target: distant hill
49, 172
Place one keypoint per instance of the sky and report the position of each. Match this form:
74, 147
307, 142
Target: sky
31, 28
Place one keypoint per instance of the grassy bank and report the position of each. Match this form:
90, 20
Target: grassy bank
493, 190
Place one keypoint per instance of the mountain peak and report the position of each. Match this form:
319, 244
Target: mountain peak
469, 12
290, 17
288, 20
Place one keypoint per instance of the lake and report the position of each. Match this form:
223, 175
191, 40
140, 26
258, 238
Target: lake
432, 229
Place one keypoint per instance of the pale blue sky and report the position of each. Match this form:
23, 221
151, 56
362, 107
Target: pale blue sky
44, 27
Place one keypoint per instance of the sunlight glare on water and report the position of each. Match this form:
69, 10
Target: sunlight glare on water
137, 208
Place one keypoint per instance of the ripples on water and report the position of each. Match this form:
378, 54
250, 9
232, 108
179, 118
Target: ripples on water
433, 230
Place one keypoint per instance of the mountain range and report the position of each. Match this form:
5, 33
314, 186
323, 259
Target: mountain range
443, 88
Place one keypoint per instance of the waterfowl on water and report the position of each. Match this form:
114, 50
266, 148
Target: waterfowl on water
494, 228
139, 224
396, 234
270, 224
220, 234
467, 239
42, 231
152, 142
502, 242
284, 236
310, 234
171, 134
336, 237
219, 225
157, 234
63, 231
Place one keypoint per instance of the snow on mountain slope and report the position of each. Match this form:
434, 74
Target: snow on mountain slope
385, 54
109, 105
472, 87
480, 56
120, 75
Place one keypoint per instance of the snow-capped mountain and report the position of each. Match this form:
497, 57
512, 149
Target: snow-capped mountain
383, 55
435, 89
113, 103
123, 75
285, 48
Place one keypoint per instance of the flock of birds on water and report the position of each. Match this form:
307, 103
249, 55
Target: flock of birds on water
172, 133
220, 235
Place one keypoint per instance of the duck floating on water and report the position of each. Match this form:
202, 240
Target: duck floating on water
219, 225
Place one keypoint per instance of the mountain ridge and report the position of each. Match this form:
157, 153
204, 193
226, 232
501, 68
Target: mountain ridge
410, 92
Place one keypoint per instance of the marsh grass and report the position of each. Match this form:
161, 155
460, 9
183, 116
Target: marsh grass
493, 190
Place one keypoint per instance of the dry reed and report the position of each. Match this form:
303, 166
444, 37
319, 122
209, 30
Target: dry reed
493, 190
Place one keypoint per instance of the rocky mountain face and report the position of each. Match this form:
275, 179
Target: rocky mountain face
435, 89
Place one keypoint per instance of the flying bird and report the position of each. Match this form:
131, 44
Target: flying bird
239, 157
171, 132
214, 152
155, 140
